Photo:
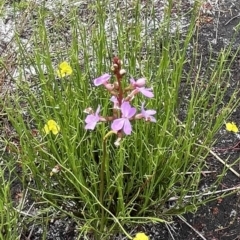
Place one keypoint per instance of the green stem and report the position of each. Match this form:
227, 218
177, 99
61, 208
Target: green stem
102, 183
104, 169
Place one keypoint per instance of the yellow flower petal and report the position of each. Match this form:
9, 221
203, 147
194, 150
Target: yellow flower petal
55, 129
59, 74
46, 129
51, 126
141, 236
231, 127
64, 69
63, 64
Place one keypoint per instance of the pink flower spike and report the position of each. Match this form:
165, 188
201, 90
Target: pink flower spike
92, 119
102, 79
146, 92
123, 123
147, 114
139, 83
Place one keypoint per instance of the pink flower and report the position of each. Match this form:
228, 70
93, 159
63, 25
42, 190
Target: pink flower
146, 91
102, 79
139, 83
139, 86
147, 114
124, 123
92, 119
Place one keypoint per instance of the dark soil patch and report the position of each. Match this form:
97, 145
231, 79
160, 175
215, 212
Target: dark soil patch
218, 220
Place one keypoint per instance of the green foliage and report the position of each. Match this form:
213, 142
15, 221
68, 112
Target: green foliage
20, 5
109, 187
9, 216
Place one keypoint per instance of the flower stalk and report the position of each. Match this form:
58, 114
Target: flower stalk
104, 169
122, 112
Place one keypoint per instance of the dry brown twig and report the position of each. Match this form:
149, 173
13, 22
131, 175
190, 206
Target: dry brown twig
206, 194
199, 234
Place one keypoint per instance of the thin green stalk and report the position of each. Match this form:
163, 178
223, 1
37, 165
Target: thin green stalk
104, 171
102, 184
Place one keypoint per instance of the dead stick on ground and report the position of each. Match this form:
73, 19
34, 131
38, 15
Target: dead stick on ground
216, 36
169, 231
205, 194
199, 234
202, 172
232, 19
224, 163
217, 157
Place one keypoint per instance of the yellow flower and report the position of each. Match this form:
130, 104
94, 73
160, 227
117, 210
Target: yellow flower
231, 127
51, 126
141, 236
64, 69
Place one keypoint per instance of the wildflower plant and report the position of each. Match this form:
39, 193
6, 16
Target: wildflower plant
108, 150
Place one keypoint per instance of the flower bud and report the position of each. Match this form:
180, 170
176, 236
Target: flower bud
88, 110
102, 119
138, 116
117, 142
55, 170
114, 93
122, 72
116, 85
109, 86
141, 82
117, 61
130, 97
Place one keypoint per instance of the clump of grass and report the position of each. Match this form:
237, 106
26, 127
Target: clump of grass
9, 217
150, 166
